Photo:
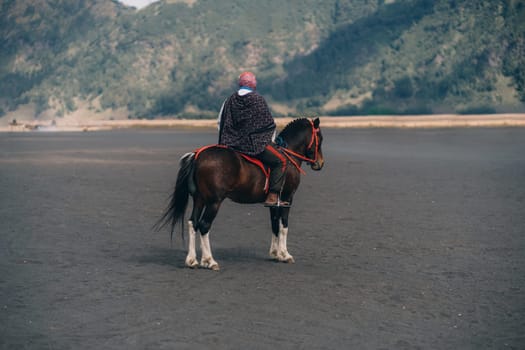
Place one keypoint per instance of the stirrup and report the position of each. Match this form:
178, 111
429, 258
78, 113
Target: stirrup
278, 204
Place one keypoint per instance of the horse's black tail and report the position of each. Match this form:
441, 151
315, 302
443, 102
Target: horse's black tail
179, 199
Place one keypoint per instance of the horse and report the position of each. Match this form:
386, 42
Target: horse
215, 173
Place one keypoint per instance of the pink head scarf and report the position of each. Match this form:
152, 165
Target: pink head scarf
248, 79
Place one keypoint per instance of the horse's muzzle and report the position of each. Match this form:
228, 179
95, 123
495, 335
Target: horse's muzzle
318, 165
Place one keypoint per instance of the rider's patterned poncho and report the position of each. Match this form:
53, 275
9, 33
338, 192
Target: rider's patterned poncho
246, 123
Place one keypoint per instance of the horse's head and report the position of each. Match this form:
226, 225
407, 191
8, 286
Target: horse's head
314, 150
304, 139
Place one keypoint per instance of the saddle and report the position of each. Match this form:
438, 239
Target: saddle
265, 169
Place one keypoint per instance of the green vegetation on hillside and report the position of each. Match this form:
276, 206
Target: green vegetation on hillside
418, 57
325, 57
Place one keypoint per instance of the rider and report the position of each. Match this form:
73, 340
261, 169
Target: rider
246, 125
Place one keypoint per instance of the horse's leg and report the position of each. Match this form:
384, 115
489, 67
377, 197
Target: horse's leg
282, 251
210, 212
275, 215
191, 258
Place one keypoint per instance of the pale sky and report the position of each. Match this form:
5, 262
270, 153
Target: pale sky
138, 3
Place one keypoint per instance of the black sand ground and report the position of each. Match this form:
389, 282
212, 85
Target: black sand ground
408, 239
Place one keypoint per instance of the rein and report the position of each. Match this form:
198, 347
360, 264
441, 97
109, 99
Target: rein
313, 142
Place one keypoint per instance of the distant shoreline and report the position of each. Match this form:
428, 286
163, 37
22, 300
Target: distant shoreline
418, 121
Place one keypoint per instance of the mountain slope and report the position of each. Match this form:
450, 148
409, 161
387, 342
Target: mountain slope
417, 56
331, 56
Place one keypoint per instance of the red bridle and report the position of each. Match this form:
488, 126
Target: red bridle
314, 142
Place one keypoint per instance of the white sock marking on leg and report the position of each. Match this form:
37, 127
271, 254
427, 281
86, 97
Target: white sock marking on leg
191, 258
274, 247
207, 258
283, 254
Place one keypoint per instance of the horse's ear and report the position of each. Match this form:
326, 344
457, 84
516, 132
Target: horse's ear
316, 122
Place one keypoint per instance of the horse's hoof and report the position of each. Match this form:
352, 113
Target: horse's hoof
210, 264
192, 263
213, 267
287, 259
